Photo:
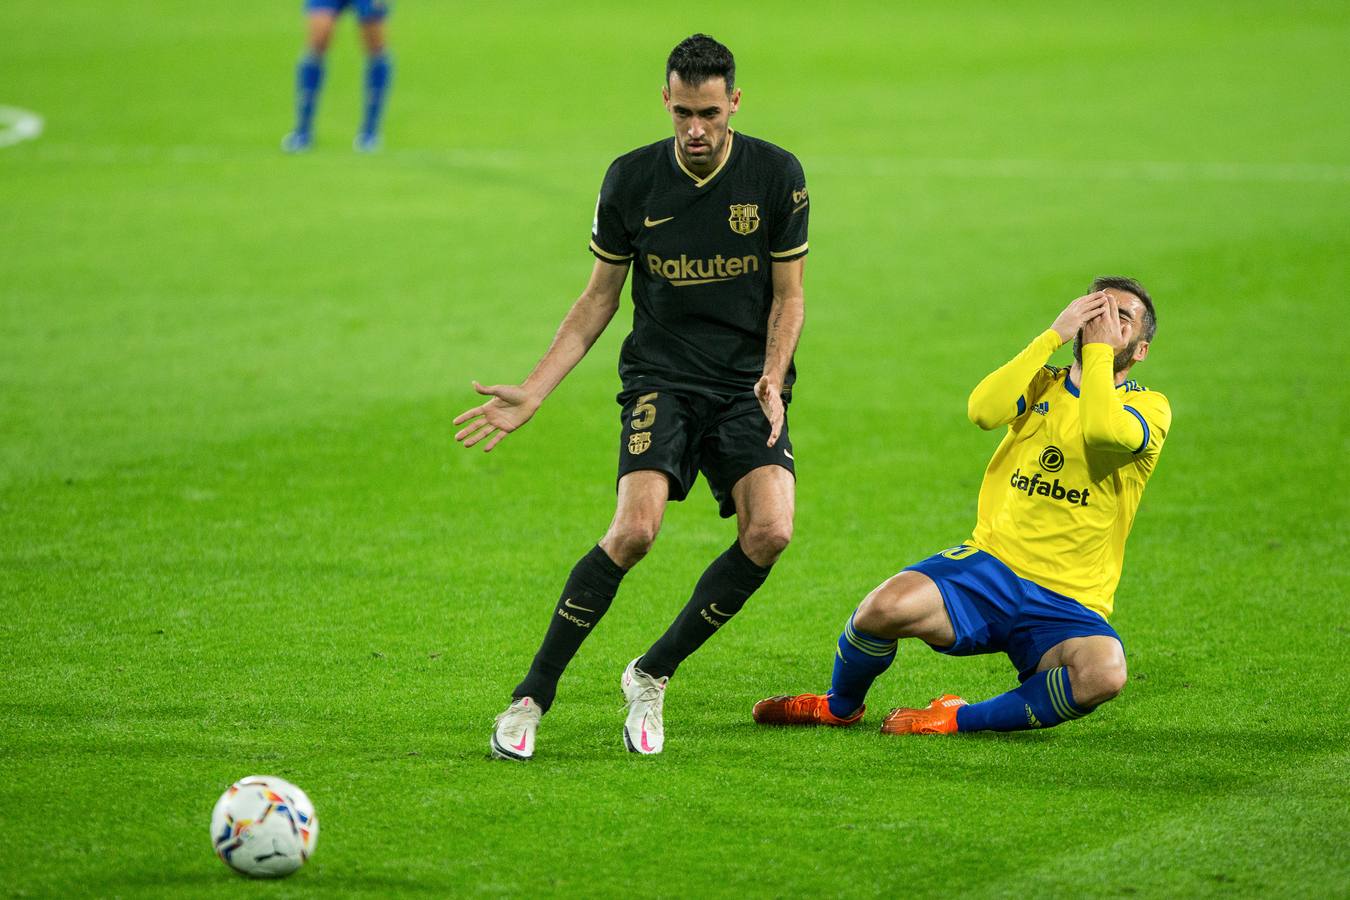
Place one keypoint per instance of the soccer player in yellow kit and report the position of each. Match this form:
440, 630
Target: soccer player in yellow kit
1038, 577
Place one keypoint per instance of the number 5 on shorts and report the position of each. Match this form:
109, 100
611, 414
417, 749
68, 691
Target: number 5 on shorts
644, 414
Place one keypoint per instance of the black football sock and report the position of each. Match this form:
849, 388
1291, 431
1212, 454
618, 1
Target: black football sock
720, 593
585, 598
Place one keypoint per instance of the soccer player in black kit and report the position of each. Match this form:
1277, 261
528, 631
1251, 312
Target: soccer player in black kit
713, 225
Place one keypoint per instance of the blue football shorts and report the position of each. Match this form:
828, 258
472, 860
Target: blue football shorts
366, 10
993, 610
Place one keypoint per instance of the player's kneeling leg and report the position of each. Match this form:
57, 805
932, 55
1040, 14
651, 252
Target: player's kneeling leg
1096, 670
904, 605
1091, 671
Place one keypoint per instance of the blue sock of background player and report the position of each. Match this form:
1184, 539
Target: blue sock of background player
379, 70
308, 82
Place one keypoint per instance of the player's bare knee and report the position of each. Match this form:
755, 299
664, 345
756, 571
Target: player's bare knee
628, 542
868, 617
1111, 680
1097, 682
320, 34
883, 612
764, 542
631, 547
906, 605
372, 36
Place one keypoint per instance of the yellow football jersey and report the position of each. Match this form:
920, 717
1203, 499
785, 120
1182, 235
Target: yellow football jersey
1061, 492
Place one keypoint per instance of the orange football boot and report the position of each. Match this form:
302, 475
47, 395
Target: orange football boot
803, 709
938, 717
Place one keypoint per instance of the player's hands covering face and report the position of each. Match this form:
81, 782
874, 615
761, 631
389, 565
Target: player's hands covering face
1104, 328
1078, 313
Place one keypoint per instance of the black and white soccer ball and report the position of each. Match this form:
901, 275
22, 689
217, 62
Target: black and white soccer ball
264, 827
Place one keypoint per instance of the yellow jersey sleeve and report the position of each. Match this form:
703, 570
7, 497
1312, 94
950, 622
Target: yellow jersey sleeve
1009, 390
1109, 422
1155, 412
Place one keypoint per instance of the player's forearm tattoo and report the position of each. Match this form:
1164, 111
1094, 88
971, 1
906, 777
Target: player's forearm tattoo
773, 330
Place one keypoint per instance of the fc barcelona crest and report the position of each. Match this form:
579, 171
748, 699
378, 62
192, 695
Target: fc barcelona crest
639, 442
744, 217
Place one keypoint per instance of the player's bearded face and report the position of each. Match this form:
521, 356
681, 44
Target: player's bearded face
1124, 357
702, 119
1132, 314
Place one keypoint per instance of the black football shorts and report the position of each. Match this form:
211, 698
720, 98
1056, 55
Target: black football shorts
682, 434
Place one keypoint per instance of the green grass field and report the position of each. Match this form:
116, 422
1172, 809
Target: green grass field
236, 535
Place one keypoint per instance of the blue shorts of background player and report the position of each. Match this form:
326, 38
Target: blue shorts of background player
992, 610
322, 16
964, 602
366, 10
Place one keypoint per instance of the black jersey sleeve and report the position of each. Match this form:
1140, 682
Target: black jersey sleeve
609, 240
792, 210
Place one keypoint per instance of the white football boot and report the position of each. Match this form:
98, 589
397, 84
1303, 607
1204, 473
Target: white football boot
644, 731
513, 736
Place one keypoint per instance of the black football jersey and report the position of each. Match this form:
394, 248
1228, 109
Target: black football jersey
702, 251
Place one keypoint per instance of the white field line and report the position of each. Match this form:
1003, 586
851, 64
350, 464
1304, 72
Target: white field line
508, 159
18, 125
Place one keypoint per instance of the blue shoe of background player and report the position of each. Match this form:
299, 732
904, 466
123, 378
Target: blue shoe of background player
366, 142
296, 142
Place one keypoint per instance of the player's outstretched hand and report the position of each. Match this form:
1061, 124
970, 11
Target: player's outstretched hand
511, 406
1104, 328
1077, 313
771, 401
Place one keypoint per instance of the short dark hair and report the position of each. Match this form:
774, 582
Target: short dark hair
698, 58
1121, 283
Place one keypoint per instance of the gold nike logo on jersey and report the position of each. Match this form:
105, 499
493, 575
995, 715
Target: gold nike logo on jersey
652, 223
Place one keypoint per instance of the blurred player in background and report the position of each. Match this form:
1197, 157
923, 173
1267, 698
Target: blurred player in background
713, 224
322, 16
1038, 577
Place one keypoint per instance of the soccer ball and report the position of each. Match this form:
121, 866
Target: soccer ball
264, 827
